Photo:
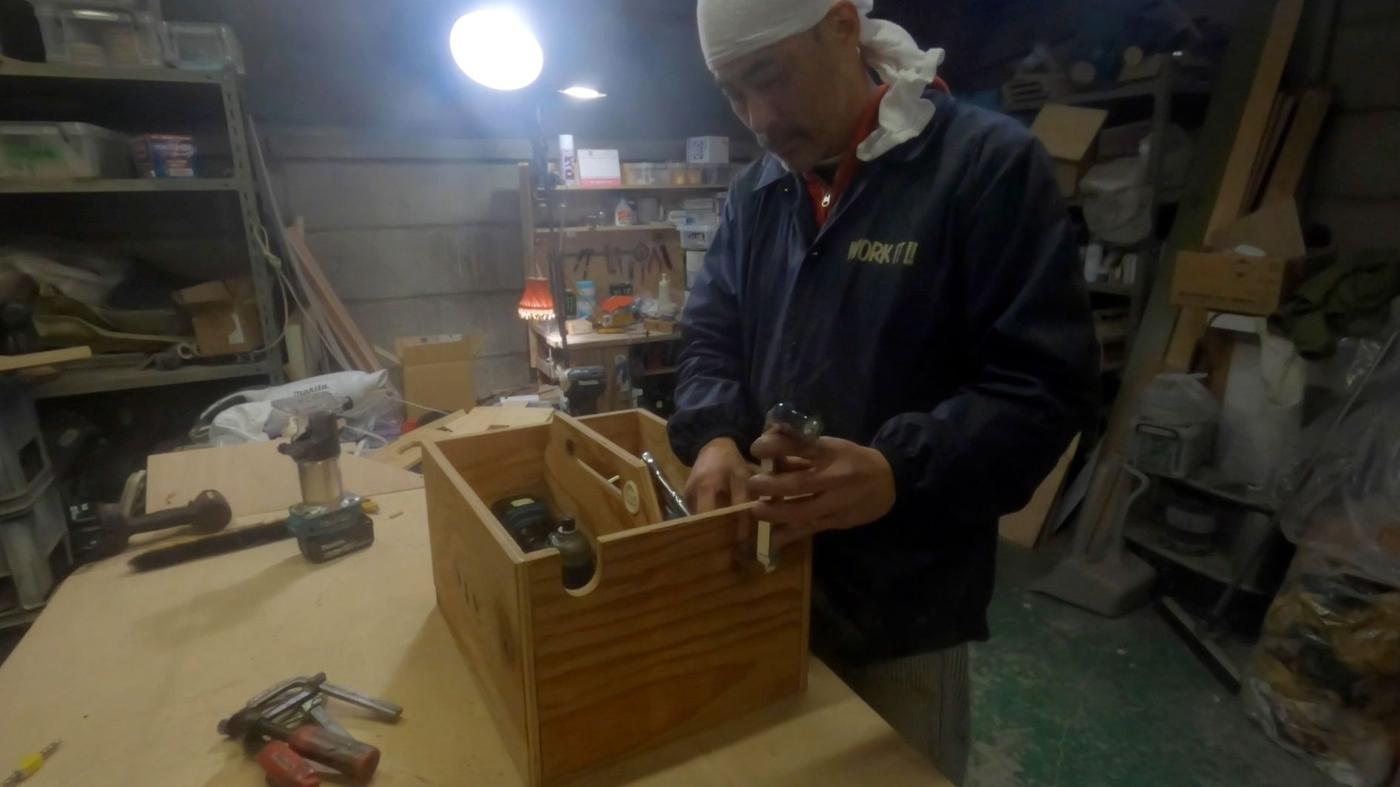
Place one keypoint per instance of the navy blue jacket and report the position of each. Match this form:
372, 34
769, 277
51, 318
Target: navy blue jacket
939, 316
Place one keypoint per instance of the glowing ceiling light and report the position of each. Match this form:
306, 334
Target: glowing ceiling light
582, 93
496, 48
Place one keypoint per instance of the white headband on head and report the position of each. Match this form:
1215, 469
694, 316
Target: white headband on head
734, 28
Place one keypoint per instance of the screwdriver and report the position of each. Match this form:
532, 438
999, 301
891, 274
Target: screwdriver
351, 757
29, 765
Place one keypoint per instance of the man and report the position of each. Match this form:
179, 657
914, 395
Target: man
903, 266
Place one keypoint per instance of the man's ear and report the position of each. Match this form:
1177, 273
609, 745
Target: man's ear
841, 25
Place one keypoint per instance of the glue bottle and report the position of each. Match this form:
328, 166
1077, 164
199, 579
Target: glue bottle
665, 307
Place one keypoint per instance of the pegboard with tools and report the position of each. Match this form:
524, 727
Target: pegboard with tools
614, 258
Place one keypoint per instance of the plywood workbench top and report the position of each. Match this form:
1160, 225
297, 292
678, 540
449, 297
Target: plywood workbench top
132, 672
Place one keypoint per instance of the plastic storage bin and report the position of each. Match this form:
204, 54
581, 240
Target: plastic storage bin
201, 46
30, 529
23, 460
62, 151
98, 35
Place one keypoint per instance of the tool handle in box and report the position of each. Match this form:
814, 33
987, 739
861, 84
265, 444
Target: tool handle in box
351, 757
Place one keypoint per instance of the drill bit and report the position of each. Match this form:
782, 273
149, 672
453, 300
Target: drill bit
29, 765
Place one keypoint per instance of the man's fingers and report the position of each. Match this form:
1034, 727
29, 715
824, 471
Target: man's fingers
775, 444
705, 499
795, 484
739, 490
784, 535
805, 510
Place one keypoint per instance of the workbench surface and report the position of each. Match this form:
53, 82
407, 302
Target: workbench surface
133, 671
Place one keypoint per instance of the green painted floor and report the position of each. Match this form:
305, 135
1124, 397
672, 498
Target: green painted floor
1064, 697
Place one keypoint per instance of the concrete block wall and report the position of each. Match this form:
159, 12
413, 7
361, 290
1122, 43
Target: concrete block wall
417, 236
1355, 183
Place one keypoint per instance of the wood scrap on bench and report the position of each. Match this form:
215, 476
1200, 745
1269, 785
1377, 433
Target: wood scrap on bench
407, 451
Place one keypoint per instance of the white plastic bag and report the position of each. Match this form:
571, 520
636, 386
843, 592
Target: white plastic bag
1324, 680
1178, 400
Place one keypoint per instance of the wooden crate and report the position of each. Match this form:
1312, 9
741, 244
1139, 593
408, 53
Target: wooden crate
678, 630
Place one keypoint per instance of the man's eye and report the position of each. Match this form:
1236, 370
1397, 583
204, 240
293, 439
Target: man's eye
769, 81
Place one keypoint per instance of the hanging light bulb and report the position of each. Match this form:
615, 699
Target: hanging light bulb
536, 303
496, 48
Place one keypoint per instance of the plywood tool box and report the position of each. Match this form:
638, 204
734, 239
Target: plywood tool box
678, 630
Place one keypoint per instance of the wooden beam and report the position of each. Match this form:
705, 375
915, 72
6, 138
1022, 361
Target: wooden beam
1279, 120
360, 352
1026, 527
1232, 193
10, 363
1252, 68
1298, 145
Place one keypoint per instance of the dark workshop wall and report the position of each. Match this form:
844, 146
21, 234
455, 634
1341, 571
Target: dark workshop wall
405, 171
357, 63
386, 149
1006, 30
1355, 185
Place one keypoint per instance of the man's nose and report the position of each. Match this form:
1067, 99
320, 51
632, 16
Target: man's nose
760, 116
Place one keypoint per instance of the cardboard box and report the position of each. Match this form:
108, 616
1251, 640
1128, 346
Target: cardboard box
1067, 175
438, 372
1068, 135
599, 169
164, 155
707, 150
225, 316
1234, 283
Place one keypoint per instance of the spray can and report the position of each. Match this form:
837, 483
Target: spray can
576, 554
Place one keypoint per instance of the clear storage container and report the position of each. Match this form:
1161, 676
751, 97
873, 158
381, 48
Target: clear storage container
62, 151
202, 46
98, 35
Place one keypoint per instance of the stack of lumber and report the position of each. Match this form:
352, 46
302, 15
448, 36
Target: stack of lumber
1253, 149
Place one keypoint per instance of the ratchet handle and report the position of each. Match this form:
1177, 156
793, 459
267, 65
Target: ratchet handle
351, 757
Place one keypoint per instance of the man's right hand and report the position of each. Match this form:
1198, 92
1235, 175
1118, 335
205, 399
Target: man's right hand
720, 477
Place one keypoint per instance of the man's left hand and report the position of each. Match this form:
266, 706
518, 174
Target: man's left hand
838, 485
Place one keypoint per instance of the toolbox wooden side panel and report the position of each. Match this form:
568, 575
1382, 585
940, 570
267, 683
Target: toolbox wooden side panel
636, 431
501, 462
606, 459
480, 591
680, 632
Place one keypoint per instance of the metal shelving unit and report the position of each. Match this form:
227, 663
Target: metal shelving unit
1146, 88
113, 186
24, 68
76, 382
152, 99
649, 187
1154, 100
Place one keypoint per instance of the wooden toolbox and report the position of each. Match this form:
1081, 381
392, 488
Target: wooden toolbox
679, 629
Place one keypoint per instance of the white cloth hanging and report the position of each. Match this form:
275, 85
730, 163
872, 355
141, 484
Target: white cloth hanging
734, 28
